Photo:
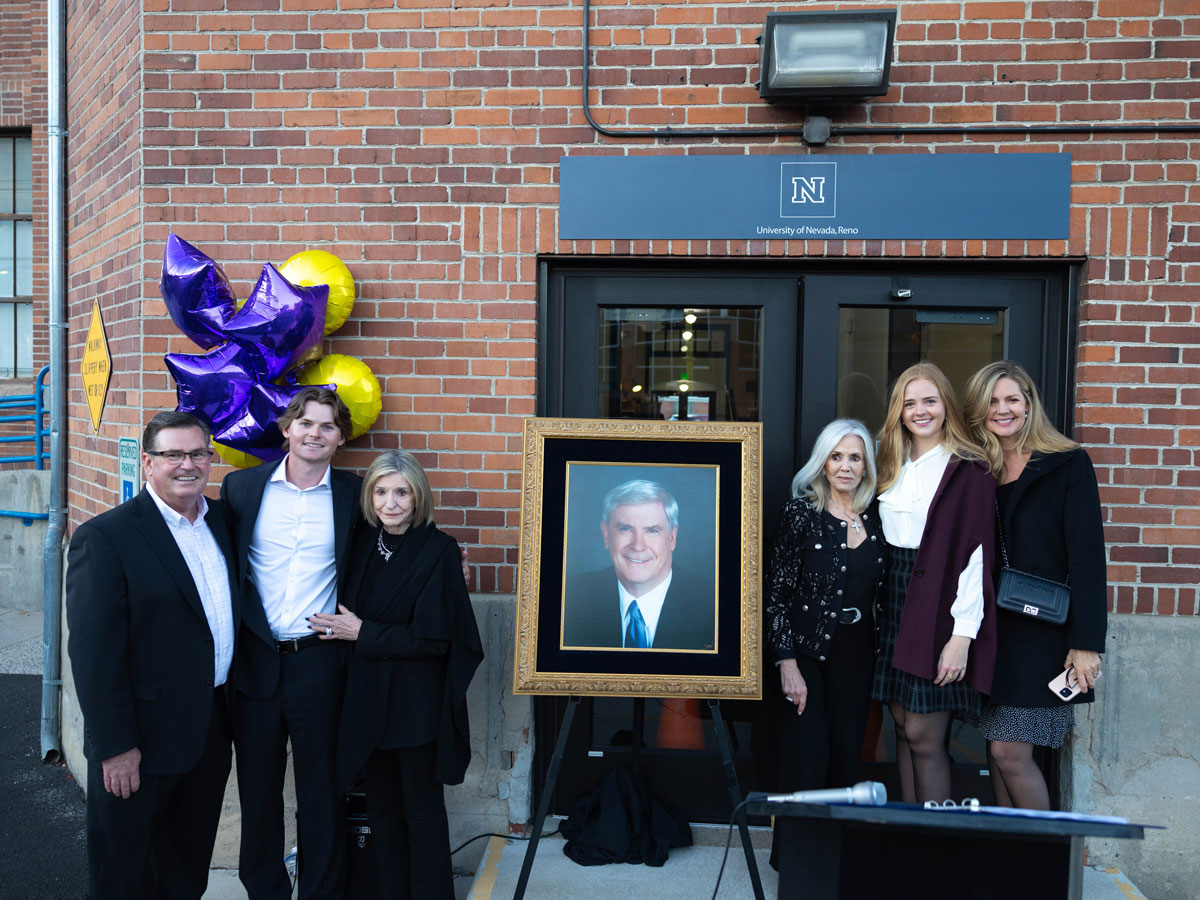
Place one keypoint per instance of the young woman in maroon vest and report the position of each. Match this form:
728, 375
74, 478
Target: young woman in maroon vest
937, 636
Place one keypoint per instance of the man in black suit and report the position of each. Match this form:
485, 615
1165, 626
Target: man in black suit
642, 601
293, 519
152, 611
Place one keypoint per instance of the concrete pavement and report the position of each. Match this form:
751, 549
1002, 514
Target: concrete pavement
689, 874
43, 830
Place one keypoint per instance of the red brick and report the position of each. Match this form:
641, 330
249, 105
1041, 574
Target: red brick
424, 146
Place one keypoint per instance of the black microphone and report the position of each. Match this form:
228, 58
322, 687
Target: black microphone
865, 793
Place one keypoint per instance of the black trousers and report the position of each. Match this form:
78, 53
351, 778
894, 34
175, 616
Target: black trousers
304, 708
157, 844
406, 809
821, 747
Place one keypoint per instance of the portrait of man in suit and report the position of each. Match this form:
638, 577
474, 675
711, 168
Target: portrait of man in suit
153, 611
644, 600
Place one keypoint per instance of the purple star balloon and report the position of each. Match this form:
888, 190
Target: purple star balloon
196, 291
279, 324
228, 387
214, 386
254, 431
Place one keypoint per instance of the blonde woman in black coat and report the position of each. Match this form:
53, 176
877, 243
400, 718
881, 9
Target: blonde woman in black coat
415, 649
1051, 526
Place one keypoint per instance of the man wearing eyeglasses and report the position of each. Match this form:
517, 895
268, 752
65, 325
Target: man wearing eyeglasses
152, 612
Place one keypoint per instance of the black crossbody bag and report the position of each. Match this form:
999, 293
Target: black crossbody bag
1028, 595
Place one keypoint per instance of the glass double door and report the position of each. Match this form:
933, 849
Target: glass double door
792, 349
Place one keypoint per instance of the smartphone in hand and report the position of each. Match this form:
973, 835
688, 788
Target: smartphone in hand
1065, 685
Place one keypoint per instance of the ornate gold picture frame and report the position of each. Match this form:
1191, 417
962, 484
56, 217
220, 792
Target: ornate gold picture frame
640, 559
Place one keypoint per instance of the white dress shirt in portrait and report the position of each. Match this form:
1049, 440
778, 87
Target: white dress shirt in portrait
649, 604
291, 554
903, 509
206, 563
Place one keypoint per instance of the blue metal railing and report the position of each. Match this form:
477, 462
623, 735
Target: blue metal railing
27, 518
40, 432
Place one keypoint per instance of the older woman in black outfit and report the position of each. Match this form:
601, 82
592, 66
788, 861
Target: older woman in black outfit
823, 583
415, 649
1051, 526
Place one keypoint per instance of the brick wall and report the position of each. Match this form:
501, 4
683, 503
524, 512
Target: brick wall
23, 110
421, 146
104, 241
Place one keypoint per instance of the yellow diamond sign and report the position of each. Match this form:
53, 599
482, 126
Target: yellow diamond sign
96, 367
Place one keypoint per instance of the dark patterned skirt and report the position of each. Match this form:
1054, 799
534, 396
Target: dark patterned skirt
1042, 727
915, 694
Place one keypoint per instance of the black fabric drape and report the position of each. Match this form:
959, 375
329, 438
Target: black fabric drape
622, 821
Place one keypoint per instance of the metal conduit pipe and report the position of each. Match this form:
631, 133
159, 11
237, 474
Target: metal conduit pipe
52, 558
822, 131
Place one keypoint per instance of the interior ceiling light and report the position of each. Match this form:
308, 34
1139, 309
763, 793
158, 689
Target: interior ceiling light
823, 55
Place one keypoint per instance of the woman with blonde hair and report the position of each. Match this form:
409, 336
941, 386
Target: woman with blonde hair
1048, 506
937, 635
414, 647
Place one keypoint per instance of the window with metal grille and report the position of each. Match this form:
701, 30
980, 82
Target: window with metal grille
16, 256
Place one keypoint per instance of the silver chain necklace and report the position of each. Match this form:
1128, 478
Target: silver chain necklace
383, 550
854, 520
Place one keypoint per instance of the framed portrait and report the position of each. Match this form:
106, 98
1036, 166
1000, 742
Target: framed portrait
640, 559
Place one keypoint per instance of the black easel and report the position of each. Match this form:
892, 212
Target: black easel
639, 711
735, 795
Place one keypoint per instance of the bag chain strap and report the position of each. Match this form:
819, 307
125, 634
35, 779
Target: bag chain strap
1000, 531
1003, 549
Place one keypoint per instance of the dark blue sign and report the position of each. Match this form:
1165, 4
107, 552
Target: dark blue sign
947, 196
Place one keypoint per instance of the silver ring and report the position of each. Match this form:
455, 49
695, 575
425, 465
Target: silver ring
329, 630
789, 699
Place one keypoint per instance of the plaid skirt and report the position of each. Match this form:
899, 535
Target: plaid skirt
915, 694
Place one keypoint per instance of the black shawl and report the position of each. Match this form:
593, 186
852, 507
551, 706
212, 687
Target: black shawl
416, 654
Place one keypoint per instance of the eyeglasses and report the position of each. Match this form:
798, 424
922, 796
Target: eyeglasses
175, 457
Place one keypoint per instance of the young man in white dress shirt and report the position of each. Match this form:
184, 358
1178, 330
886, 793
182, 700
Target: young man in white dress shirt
293, 519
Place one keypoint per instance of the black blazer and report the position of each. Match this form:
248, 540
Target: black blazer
592, 616
257, 658
807, 576
140, 646
1052, 526
416, 653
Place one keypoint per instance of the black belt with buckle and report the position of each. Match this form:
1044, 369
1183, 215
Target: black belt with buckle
849, 615
291, 645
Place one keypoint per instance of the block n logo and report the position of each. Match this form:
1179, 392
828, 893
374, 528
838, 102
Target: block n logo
808, 190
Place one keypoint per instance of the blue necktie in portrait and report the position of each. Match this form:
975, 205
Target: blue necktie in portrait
635, 634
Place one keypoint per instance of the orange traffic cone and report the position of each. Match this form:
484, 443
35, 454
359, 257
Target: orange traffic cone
679, 724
